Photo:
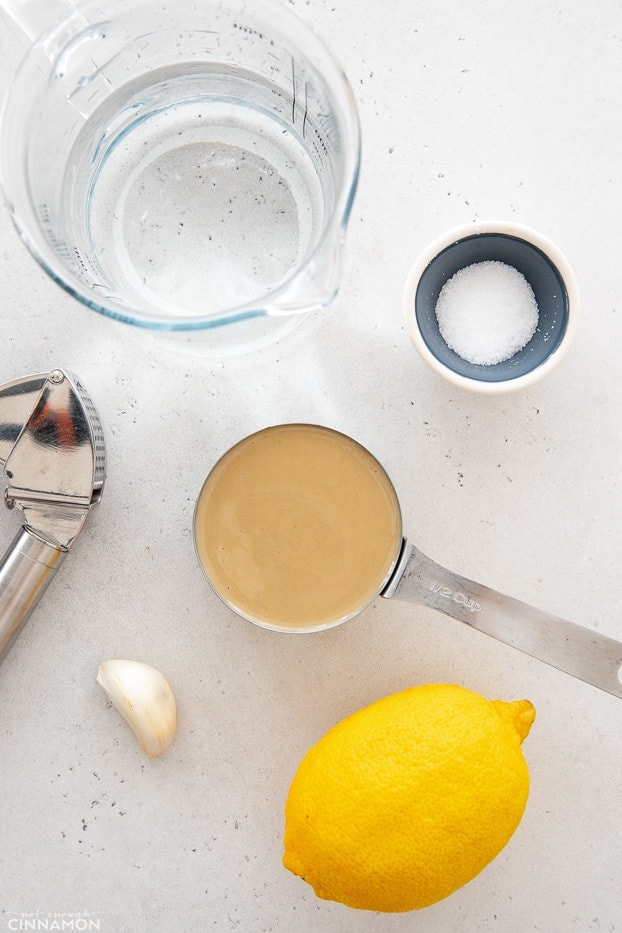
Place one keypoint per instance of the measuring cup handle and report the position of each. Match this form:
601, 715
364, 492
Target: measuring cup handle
31, 18
580, 652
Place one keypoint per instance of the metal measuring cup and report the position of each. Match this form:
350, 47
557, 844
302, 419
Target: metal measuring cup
406, 573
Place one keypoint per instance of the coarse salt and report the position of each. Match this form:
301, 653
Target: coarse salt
487, 312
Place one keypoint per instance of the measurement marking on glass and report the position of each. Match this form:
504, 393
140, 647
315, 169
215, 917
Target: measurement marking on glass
304, 119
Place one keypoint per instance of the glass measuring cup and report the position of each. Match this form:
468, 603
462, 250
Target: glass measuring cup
298, 528
181, 166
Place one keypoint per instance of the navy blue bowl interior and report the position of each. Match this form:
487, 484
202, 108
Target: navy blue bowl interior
533, 264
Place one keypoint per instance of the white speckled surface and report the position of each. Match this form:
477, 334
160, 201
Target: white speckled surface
473, 110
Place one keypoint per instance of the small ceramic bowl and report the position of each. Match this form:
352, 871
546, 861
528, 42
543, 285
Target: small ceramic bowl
542, 265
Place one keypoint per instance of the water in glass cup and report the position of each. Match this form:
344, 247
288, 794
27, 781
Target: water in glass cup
183, 166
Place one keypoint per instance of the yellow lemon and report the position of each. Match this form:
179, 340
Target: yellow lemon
406, 800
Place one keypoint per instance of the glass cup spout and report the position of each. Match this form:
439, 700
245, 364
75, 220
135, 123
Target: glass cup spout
315, 286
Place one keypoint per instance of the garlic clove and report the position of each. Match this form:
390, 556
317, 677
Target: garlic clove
144, 698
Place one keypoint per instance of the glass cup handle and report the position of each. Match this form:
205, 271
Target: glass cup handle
573, 649
30, 18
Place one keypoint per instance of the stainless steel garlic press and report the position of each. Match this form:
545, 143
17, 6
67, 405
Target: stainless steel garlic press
54, 460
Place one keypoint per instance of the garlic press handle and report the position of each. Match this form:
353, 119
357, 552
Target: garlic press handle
26, 570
